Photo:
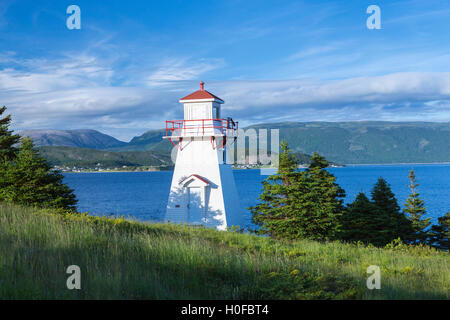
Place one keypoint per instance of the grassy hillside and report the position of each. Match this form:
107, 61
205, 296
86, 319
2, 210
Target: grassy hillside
89, 158
120, 259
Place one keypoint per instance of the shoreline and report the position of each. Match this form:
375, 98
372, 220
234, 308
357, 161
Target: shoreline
113, 171
339, 167
397, 163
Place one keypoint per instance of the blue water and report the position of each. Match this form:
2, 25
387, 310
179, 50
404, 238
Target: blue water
143, 195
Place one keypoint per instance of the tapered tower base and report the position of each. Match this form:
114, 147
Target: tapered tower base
203, 190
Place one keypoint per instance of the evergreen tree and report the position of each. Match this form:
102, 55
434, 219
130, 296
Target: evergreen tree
363, 221
299, 204
7, 146
7, 139
319, 201
397, 225
440, 233
415, 211
29, 180
272, 214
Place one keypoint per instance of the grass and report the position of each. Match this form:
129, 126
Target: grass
121, 259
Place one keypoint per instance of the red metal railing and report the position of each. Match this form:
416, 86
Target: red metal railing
199, 127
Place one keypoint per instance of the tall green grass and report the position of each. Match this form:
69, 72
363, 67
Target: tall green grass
122, 259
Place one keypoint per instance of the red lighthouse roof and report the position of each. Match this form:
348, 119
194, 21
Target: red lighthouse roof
201, 94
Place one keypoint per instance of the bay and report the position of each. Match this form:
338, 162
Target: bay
143, 195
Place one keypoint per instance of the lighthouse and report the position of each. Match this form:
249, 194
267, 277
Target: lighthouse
203, 191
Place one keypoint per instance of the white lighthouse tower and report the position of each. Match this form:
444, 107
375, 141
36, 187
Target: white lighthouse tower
203, 189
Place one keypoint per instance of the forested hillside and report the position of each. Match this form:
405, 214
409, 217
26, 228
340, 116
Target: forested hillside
369, 142
84, 138
347, 142
88, 158
340, 142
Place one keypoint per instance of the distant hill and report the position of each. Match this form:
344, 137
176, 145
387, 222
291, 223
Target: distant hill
150, 140
347, 142
73, 138
340, 142
369, 142
89, 158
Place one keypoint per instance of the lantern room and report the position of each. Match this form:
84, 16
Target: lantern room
201, 104
202, 118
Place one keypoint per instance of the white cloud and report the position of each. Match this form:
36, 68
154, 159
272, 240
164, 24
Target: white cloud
38, 75
313, 51
398, 87
76, 92
183, 69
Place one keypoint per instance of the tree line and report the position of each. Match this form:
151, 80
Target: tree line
25, 176
309, 204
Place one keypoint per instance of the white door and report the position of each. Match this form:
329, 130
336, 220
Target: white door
195, 205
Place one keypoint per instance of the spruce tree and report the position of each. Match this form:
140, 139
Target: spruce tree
29, 180
440, 233
318, 201
415, 210
7, 139
397, 225
363, 221
272, 214
299, 204
7, 146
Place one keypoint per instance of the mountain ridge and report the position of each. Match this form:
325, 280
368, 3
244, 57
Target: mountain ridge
80, 138
357, 142
89, 158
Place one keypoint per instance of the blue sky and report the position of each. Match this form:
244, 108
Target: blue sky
271, 61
